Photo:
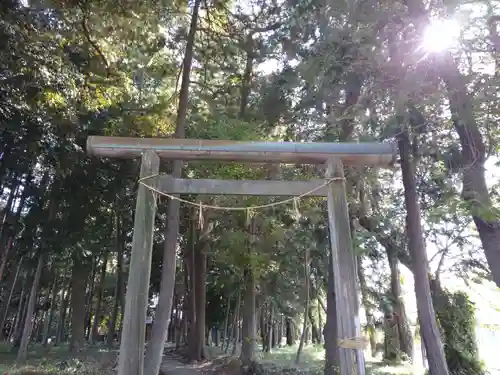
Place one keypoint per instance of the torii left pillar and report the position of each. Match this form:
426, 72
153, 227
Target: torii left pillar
131, 357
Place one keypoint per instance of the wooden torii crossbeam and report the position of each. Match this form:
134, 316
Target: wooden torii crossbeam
381, 154
333, 155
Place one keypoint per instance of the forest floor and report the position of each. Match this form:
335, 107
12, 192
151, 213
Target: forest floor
312, 362
98, 361
282, 361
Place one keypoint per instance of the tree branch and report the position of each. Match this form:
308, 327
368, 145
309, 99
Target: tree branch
94, 45
386, 241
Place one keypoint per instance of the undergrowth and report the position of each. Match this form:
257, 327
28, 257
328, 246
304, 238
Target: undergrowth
57, 361
54, 360
312, 362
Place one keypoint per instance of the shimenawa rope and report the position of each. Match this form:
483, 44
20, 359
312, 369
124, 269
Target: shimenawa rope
246, 208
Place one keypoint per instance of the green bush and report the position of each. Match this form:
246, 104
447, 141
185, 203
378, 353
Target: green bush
456, 318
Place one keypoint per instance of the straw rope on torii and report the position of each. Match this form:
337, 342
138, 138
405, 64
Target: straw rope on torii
201, 205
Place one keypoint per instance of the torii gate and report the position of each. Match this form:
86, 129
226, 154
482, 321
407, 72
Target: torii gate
333, 155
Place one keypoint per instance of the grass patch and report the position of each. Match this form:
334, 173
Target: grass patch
56, 360
95, 360
312, 357
312, 362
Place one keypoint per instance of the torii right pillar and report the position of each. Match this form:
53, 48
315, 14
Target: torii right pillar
343, 263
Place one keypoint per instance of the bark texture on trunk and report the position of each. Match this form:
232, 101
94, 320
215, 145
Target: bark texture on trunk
225, 334
201, 296
11, 233
17, 332
30, 310
162, 316
405, 337
191, 313
99, 293
235, 332
89, 288
63, 306
50, 313
426, 313
270, 328
118, 292
248, 324
315, 333
290, 335
79, 275
8, 293
306, 309
370, 326
4, 224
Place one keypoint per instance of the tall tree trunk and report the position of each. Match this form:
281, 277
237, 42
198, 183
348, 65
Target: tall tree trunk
28, 323
12, 327
171, 326
370, 324
282, 330
249, 308
63, 305
99, 294
50, 313
235, 332
5, 155
185, 299
5, 256
306, 308
247, 75
263, 327
276, 330
21, 317
79, 275
178, 328
290, 337
191, 312
200, 291
89, 287
15, 330
226, 322
7, 213
6, 300
8, 234
320, 319
416, 245
37, 323
118, 292
248, 324
14, 226
405, 337
270, 327
160, 325
316, 336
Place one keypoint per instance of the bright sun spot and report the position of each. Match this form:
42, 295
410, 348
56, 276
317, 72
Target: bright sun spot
440, 35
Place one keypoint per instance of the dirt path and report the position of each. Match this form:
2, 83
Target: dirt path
172, 365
